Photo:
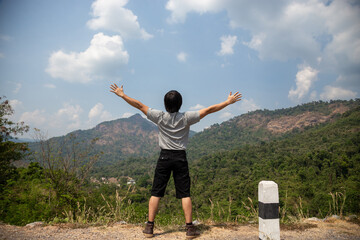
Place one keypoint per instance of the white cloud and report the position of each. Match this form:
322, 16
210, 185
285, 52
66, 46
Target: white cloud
72, 112
279, 30
333, 93
225, 115
348, 81
50, 85
68, 117
102, 58
181, 57
197, 107
111, 15
227, 45
95, 111
126, 115
34, 119
17, 106
17, 87
282, 30
343, 23
323, 33
313, 96
304, 80
256, 41
248, 105
2, 55
180, 8
105, 116
15, 103
98, 113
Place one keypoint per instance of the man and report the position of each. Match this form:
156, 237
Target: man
174, 128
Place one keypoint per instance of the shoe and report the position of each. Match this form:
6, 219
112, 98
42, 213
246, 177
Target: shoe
191, 232
149, 230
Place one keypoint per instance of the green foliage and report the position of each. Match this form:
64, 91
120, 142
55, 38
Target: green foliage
317, 169
26, 197
9, 151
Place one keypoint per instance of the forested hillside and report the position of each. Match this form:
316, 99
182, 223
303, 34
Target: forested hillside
265, 125
312, 151
310, 165
115, 140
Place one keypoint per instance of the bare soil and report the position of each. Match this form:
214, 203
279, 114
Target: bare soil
331, 229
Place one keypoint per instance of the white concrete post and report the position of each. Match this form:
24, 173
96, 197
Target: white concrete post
269, 225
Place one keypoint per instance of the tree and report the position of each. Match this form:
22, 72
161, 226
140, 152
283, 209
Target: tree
66, 164
9, 150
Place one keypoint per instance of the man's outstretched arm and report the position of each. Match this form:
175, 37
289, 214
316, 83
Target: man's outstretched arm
217, 107
133, 102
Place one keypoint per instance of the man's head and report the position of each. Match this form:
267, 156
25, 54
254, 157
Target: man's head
173, 101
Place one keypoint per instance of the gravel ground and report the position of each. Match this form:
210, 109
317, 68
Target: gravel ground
334, 229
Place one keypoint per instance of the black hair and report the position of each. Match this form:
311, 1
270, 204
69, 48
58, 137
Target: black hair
172, 101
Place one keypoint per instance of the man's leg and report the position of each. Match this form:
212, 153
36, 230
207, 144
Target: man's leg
153, 207
191, 230
187, 207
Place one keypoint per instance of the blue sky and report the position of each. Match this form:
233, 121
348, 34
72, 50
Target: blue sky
58, 58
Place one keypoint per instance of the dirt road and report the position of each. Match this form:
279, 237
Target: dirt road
334, 229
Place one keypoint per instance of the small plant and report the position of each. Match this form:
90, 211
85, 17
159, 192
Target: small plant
336, 207
254, 213
251, 214
283, 209
123, 210
300, 210
230, 202
211, 211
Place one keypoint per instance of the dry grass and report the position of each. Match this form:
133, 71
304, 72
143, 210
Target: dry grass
297, 226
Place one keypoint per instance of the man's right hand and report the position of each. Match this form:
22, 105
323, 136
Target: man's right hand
234, 98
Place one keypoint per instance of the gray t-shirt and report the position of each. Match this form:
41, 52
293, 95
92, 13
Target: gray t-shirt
173, 127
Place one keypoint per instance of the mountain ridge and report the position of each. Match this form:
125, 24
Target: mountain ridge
264, 125
115, 139
138, 137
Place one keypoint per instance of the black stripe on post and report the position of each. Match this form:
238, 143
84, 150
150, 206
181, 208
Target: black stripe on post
268, 210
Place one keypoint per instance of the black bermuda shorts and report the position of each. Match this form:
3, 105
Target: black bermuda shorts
172, 161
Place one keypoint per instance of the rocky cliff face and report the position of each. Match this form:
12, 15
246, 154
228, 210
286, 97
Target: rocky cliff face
307, 119
282, 122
